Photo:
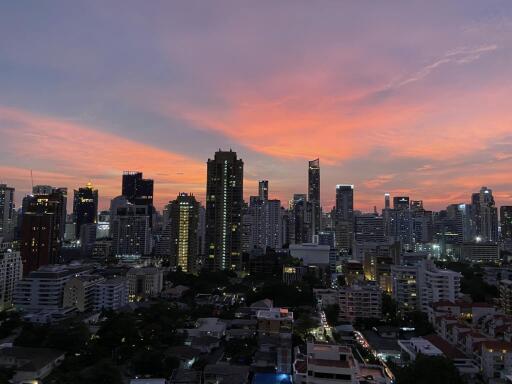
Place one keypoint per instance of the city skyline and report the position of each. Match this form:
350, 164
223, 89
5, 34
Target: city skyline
418, 105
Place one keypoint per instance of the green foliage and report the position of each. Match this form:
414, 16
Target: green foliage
389, 309
153, 363
304, 324
331, 314
284, 295
9, 321
69, 337
240, 350
472, 282
427, 370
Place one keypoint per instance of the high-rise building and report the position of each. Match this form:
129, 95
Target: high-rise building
387, 201
138, 191
85, 207
42, 228
485, 215
369, 228
345, 202
506, 222
418, 286
184, 216
130, 230
262, 221
314, 194
224, 201
7, 218
263, 190
10, 273
300, 220
344, 216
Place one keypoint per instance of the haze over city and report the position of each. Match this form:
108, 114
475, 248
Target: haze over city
395, 97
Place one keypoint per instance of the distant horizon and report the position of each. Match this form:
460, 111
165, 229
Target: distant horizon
405, 98
104, 201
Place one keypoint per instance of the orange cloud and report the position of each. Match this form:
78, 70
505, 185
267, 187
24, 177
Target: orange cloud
76, 153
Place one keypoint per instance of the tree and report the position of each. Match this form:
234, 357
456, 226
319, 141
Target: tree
152, 363
305, 324
389, 309
331, 314
428, 370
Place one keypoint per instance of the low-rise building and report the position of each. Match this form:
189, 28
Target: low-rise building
144, 282
31, 364
111, 294
330, 363
505, 288
360, 301
480, 252
275, 321
80, 292
43, 289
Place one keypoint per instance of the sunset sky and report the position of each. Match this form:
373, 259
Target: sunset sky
406, 97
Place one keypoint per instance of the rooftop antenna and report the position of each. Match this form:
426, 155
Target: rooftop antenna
32, 180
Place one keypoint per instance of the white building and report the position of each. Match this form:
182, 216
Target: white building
144, 282
329, 363
417, 287
111, 294
11, 270
43, 289
437, 284
496, 359
360, 301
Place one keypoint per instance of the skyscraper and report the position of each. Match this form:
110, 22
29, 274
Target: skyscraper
263, 190
485, 215
7, 218
506, 222
345, 202
130, 230
85, 207
314, 194
224, 201
138, 191
42, 229
263, 221
184, 216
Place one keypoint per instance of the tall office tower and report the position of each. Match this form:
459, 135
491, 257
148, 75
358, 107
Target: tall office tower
224, 201
266, 223
7, 218
42, 230
369, 228
344, 216
300, 220
130, 230
401, 202
184, 215
399, 224
506, 222
345, 202
421, 223
138, 191
386, 201
85, 207
458, 224
62, 194
263, 190
314, 194
485, 215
